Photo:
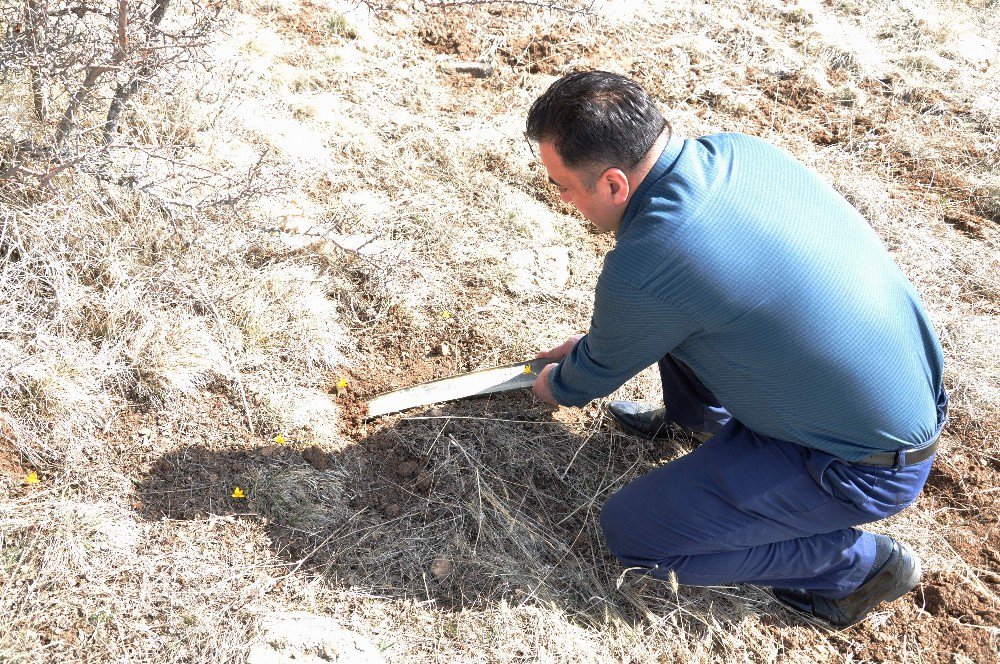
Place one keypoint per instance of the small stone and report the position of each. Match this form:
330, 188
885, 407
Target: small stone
304, 637
423, 482
444, 350
269, 451
474, 69
145, 432
393, 510
441, 567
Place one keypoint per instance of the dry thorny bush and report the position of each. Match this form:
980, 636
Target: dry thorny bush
291, 195
69, 57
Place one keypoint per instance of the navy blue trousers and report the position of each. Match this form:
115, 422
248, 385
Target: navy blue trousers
743, 507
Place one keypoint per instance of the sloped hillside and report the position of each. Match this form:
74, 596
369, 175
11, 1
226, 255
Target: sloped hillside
327, 201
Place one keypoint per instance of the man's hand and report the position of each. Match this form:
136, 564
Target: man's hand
540, 388
562, 350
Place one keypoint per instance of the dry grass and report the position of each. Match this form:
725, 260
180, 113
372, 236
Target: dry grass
157, 335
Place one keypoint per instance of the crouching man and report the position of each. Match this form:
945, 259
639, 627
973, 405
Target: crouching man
780, 325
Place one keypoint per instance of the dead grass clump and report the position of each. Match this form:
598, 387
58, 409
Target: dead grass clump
281, 309
452, 511
299, 497
77, 582
977, 386
121, 290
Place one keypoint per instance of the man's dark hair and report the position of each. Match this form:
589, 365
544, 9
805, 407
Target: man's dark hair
596, 119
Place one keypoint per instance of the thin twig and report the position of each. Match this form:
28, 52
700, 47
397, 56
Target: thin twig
578, 449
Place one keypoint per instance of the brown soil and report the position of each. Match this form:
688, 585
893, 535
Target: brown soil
316, 457
353, 409
449, 37
10, 465
965, 492
944, 617
310, 22
946, 594
789, 102
193, 483
539, 53
936, 620
548, 52
12, 473
391, 482
398, 358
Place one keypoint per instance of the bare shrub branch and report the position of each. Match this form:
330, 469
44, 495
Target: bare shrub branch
76, 56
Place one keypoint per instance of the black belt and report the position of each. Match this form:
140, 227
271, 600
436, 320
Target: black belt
901, 458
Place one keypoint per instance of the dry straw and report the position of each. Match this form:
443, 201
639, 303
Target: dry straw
302, 207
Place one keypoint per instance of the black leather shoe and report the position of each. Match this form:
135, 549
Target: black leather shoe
899, 576
647, 422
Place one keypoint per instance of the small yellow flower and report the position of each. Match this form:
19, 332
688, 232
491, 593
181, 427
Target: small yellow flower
527, 369
238, 493
341, 384
31, 478
279, 439
446, 314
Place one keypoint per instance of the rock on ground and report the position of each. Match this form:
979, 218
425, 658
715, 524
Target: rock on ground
298, 637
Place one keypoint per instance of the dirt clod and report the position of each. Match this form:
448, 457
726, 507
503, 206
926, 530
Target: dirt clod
269, 451
316, 457
441, 567
947, 594
406, 468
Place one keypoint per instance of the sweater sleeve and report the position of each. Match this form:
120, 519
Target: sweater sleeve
630, 330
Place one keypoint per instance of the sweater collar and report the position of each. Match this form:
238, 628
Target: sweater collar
662, 166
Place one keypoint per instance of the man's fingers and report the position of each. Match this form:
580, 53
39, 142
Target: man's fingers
540, 388
560, 351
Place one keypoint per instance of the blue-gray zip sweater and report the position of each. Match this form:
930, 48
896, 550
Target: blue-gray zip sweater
747, 267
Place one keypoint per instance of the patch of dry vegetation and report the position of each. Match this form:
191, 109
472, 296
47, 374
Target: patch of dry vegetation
321, 200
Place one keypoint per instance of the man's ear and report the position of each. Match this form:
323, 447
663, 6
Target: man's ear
617, 184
